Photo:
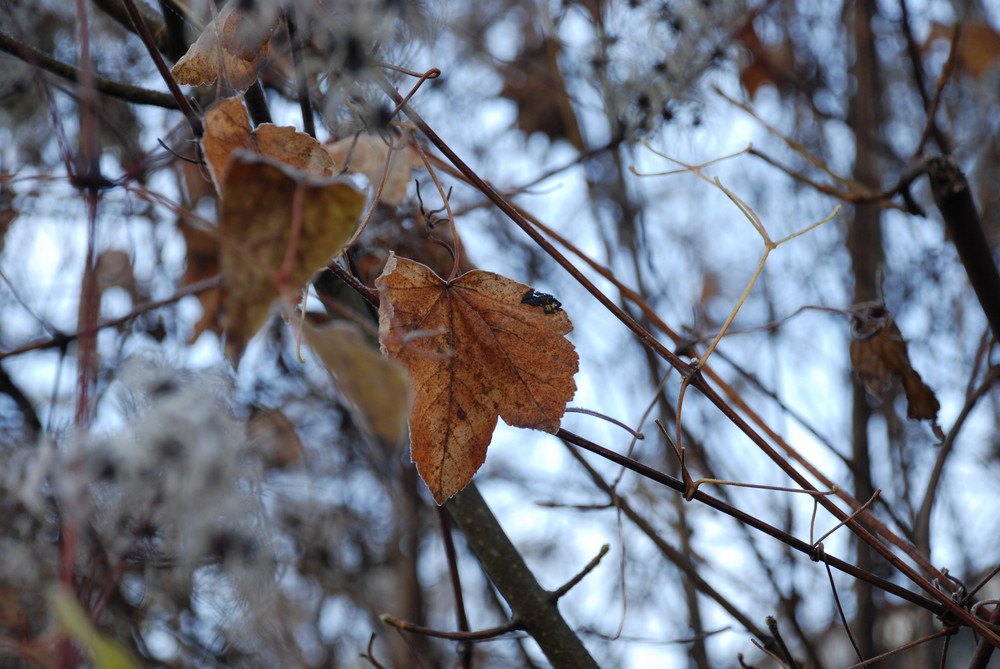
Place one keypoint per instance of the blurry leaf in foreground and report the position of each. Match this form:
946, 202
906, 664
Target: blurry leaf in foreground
227, 129
260, 254
103, 651
377, 389
879, 356
234, 44
367, 154
478, 347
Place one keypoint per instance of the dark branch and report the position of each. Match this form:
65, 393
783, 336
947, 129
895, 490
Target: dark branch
954, 200
133, 94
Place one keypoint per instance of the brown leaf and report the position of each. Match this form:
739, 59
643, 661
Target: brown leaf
377, 390
367, 154
478, 347
202, 263
233, 44
534, 82
978, 45
774, 65
258, 209
227, 128
880, 358
273, 436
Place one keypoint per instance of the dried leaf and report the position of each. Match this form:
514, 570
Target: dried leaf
978, 45
274, 437
534, 82
879, 357
233, 44
227, 129
202, 263
478, 347
367, 154
774, 65
257, 232
377, 389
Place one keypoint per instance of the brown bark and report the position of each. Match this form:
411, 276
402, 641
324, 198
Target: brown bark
864, 243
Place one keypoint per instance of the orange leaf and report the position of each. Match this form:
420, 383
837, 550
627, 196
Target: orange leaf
258, 209
234, 43
477, 347
227, 128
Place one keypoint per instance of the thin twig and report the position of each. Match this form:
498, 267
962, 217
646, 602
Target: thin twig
479, 635
571, 583
301, 82
921, 528
182, 102
63, 340
840, 607
946, 632
613, 421
133, 94
751, 521
461, 619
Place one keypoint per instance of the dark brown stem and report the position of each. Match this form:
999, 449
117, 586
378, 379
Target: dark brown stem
533, 607
922, 525
182, 102
679, 559
479, 635
116, 10
134, 94
571, 583
984, 649
751, 521
63, 340
301, 81
257, 104
461, 620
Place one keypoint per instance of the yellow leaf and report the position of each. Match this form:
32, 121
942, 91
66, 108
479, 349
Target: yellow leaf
477, 348
261, 252
377, 389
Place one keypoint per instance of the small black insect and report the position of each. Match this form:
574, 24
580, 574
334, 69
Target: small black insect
547, 302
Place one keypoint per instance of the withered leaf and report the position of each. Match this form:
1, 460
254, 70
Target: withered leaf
368, 154
773, 65
227, 128
274, 439
535, 83
234, 44
377, 389
258, 208
202, 262
478, 347
879, 357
